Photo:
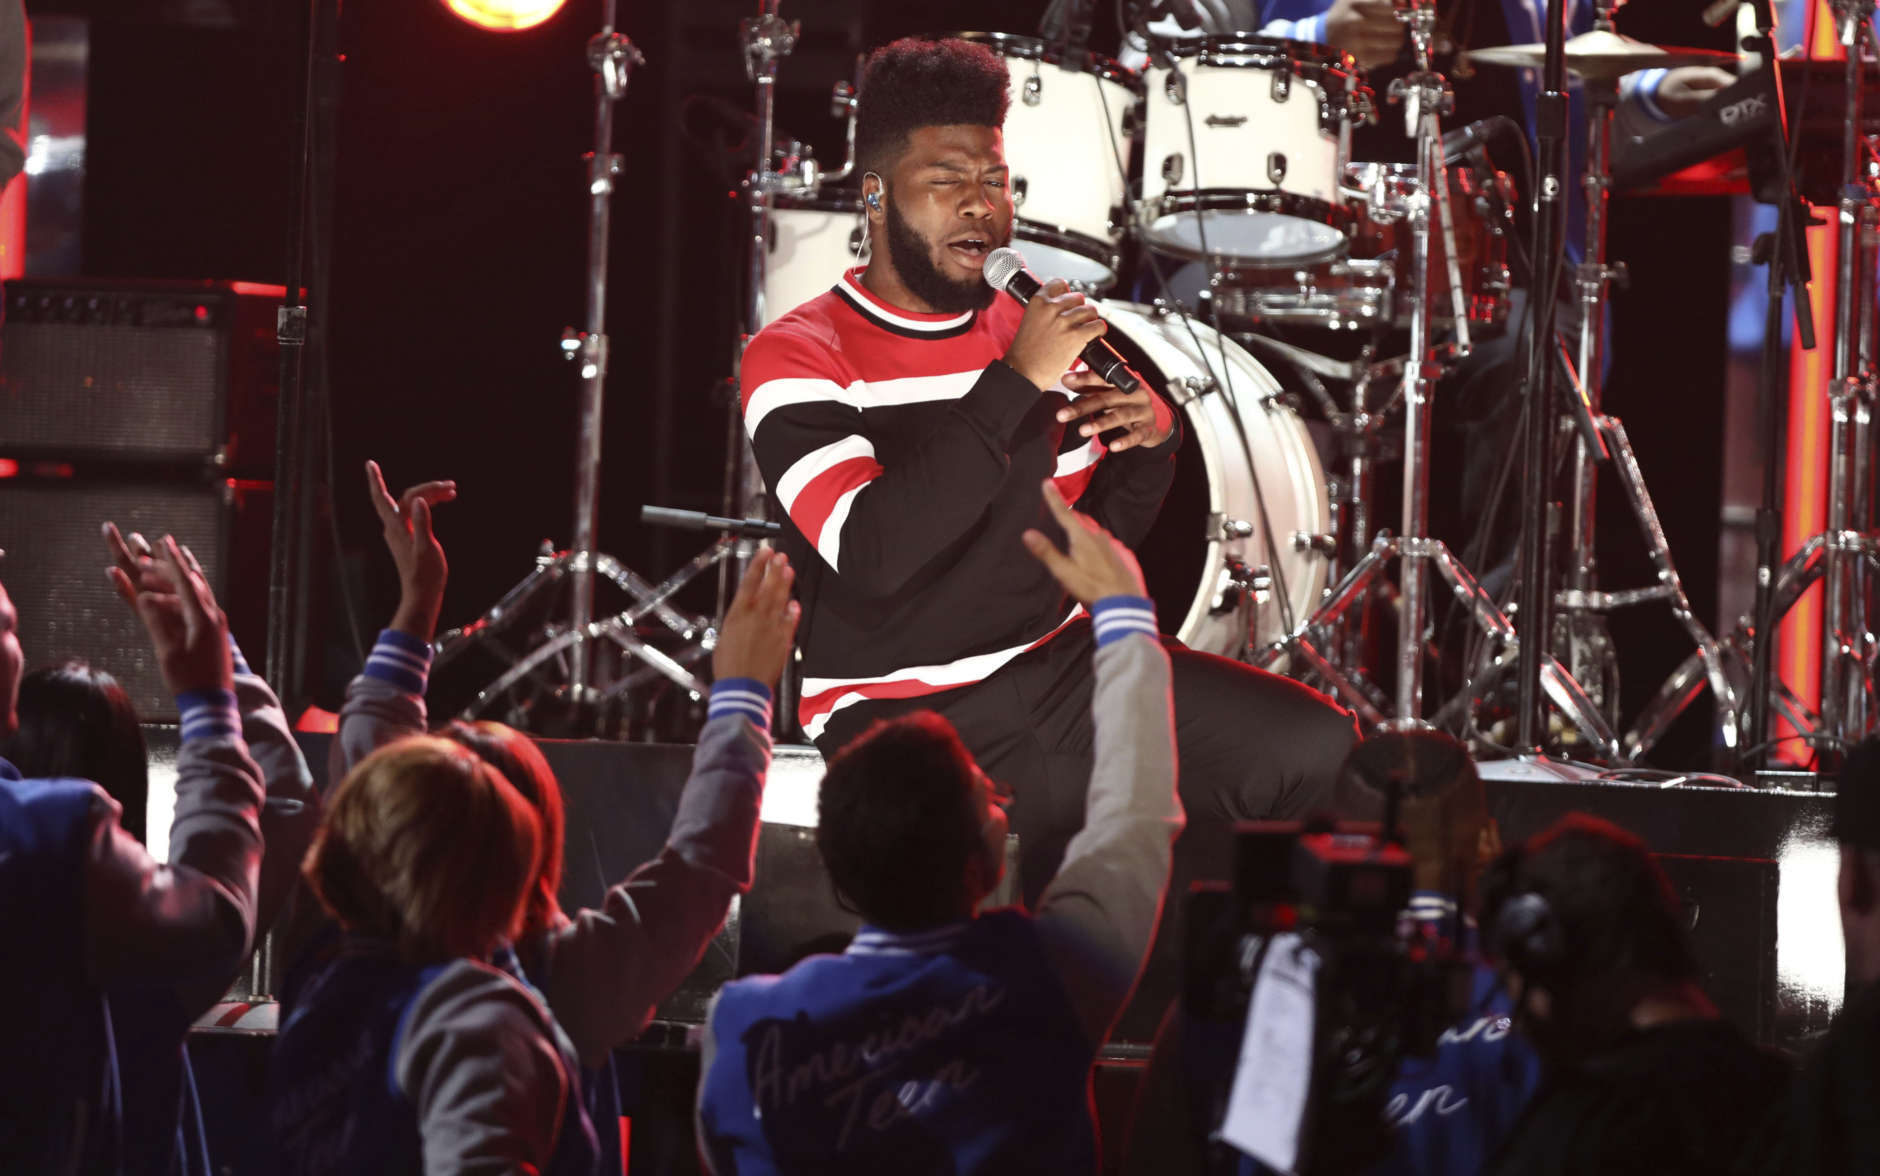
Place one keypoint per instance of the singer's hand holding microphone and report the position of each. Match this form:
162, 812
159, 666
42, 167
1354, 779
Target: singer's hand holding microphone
1059, 328
1058, 323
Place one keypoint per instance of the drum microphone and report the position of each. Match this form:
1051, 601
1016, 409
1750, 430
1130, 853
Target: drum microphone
1458, 144
1005, 270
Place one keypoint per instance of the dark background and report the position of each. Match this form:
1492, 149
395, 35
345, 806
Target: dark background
458, 258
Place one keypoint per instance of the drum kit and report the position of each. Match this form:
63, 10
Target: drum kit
1227, 159
1219, 175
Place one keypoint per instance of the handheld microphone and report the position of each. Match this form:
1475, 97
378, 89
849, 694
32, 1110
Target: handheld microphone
1457, 144
1005, 270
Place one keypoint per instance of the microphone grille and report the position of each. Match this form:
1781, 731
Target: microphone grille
1001, 264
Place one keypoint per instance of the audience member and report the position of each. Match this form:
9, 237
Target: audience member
161, 1112
1639, 1074
76, 722
87, 913
941, 1041
1447, 1112
601, 971
1837, 1098
406, 1051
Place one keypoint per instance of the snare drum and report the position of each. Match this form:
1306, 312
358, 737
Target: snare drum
1068, 147
813, 241
1245, 140
1248, 463
1481, 210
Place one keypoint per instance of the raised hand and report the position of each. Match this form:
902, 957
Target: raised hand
172, 597
761, 623
1094, 564
1367, 29
1102, 406
422, 569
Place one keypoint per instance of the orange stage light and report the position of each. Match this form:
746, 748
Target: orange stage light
1805, 494
505, 16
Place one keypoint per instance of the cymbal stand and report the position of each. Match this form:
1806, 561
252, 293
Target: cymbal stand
1841, 554
1847, 649
612, 57
767, 39
1426, 96
1581, 598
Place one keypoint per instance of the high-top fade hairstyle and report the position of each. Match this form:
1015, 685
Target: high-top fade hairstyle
921, 82
896, 825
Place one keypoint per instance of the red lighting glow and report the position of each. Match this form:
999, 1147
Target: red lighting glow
504, 16
1805, 494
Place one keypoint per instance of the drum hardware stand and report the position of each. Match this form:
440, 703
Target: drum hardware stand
1535, 601
1357, 430
612, 57
1603, 437
767, 39
1425, 94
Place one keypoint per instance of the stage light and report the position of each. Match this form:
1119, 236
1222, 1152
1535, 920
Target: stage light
504, 16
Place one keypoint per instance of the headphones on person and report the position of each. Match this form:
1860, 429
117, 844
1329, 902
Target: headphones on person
874, 198
1528, 933
1529, 936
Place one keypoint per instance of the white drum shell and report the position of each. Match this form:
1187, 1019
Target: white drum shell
1068, 151
810, 248
1243, 125
1290, 476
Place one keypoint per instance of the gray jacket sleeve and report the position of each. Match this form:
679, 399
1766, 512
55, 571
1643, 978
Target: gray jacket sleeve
480, 1061
188, 923
291, 811
1098, 914
384, 703
607, 969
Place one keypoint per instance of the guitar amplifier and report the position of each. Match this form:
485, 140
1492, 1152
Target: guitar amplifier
55, 563
180, 373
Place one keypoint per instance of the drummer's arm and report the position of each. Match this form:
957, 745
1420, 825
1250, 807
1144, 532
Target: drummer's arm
1666, 95
874, 525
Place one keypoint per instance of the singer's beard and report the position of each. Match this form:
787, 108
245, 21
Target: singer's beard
913, 262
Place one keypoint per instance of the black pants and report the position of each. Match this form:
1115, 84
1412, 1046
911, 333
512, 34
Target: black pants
1250, 745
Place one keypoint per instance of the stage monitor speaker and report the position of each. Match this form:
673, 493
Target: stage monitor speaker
55, 567
149, 372
1731, 907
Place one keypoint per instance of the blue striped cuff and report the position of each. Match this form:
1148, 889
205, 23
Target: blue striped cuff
1116, 617
1645, 89
400, 659
209, 714
241, 663
740, 696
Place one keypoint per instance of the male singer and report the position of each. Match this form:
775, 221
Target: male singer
904, 422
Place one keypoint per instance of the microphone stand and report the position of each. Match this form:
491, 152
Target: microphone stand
1534, 616
561, 662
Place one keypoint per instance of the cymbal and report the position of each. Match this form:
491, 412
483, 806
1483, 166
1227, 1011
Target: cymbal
1603, 56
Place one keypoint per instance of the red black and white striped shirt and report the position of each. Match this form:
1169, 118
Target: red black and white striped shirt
906, 458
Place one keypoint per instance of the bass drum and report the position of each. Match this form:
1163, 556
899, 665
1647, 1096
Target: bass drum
1247, 464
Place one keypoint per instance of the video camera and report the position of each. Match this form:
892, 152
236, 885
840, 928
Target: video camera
1383, 986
